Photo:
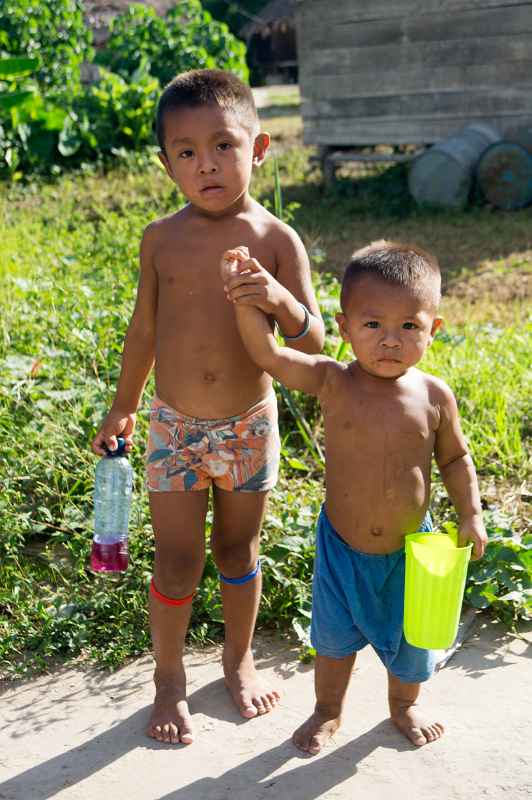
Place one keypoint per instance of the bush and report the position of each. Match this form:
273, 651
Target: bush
56, 122
187, 38
54, 31
102, 119
112, 114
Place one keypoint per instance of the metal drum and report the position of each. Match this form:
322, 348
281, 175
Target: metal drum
504, 175
444, 174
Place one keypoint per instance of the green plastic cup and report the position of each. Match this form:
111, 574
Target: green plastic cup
436, 570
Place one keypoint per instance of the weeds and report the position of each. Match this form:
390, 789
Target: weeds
68, 271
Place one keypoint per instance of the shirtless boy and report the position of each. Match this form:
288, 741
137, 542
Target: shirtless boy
383, 421
214, 416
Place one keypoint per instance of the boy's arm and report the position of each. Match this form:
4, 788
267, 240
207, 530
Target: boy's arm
286, 295
137, 357
458, 474
294, 369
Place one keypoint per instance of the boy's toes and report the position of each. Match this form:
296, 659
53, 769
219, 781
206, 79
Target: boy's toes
274, 697
251, 705
314, 734
412, 725
171, 734
433, 732
185, 734
248, 708
155, 732
417, 737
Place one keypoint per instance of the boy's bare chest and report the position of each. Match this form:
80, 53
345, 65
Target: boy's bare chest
188, 264
356, 422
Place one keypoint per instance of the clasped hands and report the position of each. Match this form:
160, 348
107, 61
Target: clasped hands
246, 282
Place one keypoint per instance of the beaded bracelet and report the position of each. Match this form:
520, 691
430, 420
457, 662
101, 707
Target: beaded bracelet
305, 329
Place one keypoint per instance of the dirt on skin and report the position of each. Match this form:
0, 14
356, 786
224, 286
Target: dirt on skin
79, 734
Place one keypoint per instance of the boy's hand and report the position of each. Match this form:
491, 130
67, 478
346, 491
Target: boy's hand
246, 282
231, 261
473, 530
116, 423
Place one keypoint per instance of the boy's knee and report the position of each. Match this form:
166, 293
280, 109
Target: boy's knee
235, 560
177, 577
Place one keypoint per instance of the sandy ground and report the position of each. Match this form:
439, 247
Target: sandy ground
78, 734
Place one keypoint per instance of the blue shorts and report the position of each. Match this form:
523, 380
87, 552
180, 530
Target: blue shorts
358, 599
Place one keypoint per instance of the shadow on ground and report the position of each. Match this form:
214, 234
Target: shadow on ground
359, 210
490, 648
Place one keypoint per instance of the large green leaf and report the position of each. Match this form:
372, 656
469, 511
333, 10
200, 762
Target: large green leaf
17, 66
14, 99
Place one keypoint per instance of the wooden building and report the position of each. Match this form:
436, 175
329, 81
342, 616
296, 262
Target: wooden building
271, 43
412, 71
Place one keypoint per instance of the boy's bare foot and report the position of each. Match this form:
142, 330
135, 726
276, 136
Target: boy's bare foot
413, 725
315, 732
243, 682
170, 719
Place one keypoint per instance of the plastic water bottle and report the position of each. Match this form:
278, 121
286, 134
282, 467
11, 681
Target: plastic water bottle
112, 501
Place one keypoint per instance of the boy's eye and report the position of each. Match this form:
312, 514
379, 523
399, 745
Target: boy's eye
409, 326
372, 324
185, 154
224, 146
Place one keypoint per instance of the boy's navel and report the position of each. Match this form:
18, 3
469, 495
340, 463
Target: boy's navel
377, 531
208, 377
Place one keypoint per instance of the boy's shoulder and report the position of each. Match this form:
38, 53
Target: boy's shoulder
166, 224
438, 391
272, 224
338, 378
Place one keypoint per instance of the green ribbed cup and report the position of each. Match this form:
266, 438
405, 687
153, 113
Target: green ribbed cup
436, 570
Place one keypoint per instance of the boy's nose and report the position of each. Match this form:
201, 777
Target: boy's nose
390, 339
207, 167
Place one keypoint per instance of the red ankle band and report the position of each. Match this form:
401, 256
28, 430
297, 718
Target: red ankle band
169, 601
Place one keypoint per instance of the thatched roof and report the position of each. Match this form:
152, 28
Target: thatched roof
114, 7
100, 13
274, 13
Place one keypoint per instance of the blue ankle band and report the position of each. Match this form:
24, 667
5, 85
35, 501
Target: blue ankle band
244, 578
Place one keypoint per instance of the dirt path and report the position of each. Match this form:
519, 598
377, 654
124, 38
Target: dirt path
78, 734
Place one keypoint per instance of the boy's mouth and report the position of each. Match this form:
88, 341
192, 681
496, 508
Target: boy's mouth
211, 188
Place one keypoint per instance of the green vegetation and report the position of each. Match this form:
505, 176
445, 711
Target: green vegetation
58, 122
53, 32
186, 38
68, 268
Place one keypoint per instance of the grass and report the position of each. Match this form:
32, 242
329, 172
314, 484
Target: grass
68, 270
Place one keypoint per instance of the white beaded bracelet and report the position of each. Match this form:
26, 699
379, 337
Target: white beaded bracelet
305, 329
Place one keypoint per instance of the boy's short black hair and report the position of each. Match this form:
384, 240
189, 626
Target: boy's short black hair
207, 87
404, 265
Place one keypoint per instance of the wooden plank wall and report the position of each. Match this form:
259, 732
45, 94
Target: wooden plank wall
412, 71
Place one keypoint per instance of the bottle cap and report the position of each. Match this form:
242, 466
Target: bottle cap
120, 450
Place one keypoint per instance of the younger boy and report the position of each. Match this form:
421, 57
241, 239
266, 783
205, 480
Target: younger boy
383, 421
214, 417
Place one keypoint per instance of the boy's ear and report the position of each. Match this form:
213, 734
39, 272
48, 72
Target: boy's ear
166, 164
436, 325
341, 320
260, 148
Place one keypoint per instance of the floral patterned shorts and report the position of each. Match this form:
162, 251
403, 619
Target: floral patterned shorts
238, 454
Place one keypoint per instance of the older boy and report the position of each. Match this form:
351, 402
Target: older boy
214, 417
383, 420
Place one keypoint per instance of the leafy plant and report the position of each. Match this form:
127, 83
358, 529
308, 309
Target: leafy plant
54, 31
11, 72
186, 38
502, 580
102, 120
67, 124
